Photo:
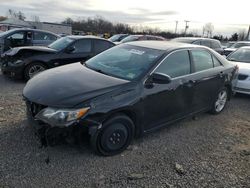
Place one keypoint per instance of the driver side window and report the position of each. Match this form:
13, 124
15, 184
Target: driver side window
15, 40
175, 65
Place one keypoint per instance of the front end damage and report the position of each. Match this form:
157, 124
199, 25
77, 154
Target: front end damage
48, 135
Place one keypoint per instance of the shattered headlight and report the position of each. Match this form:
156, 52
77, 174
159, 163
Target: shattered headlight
61, 117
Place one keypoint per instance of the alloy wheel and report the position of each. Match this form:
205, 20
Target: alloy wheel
221, 101
35, 69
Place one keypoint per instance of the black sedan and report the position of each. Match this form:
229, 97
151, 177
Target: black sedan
126, 91
25, 62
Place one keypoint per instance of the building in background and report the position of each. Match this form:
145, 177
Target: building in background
12, 23
52, 27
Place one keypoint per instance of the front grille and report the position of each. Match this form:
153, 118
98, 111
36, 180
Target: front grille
242, 77
34, 108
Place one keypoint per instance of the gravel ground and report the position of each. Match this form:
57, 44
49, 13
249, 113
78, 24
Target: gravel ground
209, 151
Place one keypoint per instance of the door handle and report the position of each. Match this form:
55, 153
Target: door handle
190, 83
221, 74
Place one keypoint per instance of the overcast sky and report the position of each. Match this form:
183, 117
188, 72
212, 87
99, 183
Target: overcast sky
227, 16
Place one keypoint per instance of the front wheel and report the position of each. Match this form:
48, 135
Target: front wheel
220, 102
33, 69
115, 136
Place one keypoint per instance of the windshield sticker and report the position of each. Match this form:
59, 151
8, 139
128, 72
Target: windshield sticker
138, 52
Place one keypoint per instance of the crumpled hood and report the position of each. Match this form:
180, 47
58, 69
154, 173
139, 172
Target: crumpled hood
69, 85
16, 50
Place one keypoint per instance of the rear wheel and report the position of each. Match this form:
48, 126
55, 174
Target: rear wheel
220, 102
33, 69
114, 137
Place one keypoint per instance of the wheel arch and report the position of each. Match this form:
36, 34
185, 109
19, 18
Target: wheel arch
129, 113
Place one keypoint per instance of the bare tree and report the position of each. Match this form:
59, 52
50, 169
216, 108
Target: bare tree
208, 29
17, 15
2, 18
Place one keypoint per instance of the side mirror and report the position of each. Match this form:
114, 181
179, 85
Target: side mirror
160, 78
70, 49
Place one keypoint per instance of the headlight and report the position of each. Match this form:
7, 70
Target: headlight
61, 117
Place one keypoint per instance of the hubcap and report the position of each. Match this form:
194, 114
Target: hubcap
221, 101
35, 69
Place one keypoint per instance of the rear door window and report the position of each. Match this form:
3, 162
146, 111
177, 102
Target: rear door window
202, 60
176, 64
198, 42
101, 45
43, 36
206, 43
83, 46
215, 45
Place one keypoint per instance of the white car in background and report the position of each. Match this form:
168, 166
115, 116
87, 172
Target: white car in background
241, 57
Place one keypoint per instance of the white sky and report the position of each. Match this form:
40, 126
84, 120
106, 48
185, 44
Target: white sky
227, 16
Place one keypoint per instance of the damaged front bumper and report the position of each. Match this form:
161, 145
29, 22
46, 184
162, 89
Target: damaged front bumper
52, 135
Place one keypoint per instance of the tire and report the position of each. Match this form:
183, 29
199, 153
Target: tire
35, 68
220, 101
115, 136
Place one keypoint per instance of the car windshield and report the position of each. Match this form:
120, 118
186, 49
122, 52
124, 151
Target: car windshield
5, 33
240, 55
125, 61
114, 38
130, 38
61, 43
239, 44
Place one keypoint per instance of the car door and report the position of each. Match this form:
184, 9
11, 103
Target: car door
208, 78
167, 102
81, 51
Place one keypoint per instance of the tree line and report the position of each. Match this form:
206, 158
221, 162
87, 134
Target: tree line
99, 25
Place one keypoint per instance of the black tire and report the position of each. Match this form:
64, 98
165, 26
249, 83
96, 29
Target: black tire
30, 66
219, 103
115, 136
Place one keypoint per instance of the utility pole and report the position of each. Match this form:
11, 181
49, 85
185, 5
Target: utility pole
186, 27
176, 25
248, 34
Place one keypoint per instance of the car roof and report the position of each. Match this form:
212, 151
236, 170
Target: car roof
77, 37
195, 38
243, 42
29, 29
164, 45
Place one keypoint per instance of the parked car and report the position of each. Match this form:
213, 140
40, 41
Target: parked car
235, 46
118, 37
132, 38
211, 43
241, 57
128, 90
25, 62
25, 37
